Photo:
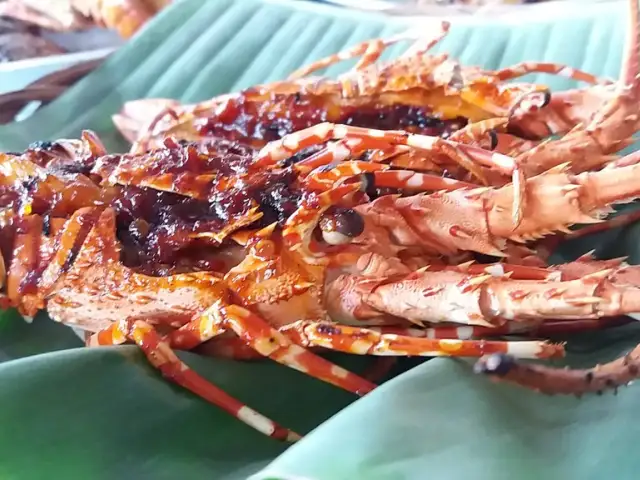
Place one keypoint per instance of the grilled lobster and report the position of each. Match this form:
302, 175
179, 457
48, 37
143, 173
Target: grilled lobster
194, 241
300, 245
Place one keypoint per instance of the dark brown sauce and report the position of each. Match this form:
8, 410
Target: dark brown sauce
212, 180
264, 121
402, 117
156, 227
284, 114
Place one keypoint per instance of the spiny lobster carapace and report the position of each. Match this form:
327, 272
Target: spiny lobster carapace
417, 92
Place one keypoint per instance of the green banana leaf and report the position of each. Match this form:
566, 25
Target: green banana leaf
71, 412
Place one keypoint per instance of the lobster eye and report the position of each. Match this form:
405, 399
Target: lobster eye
340, 225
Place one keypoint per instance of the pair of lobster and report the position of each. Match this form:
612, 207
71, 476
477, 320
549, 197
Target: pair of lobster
256, 224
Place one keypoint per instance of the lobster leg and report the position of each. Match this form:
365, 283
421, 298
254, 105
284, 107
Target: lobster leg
524, 68
349, 148
162, 357
363, 341
358, 140
377, 176
563, 381
234, 348
414, 181
268, 342
362, 139
481, 300
370, 51
535, 329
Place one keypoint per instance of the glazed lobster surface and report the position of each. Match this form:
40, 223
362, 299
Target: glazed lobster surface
278, 221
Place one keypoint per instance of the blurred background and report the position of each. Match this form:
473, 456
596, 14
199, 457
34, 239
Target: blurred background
39, 37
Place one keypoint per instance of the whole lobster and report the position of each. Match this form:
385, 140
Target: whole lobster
297, 245
194, 241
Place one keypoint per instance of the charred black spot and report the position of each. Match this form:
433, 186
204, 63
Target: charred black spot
139, 229
70, 259
588, 378
297, 97
324, 168
46, 225
278, 201
30, 184
277, 129
73, 168
496, 364
327, 329
302, 154
368, 179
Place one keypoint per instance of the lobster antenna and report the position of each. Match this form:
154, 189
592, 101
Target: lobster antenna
631, 57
